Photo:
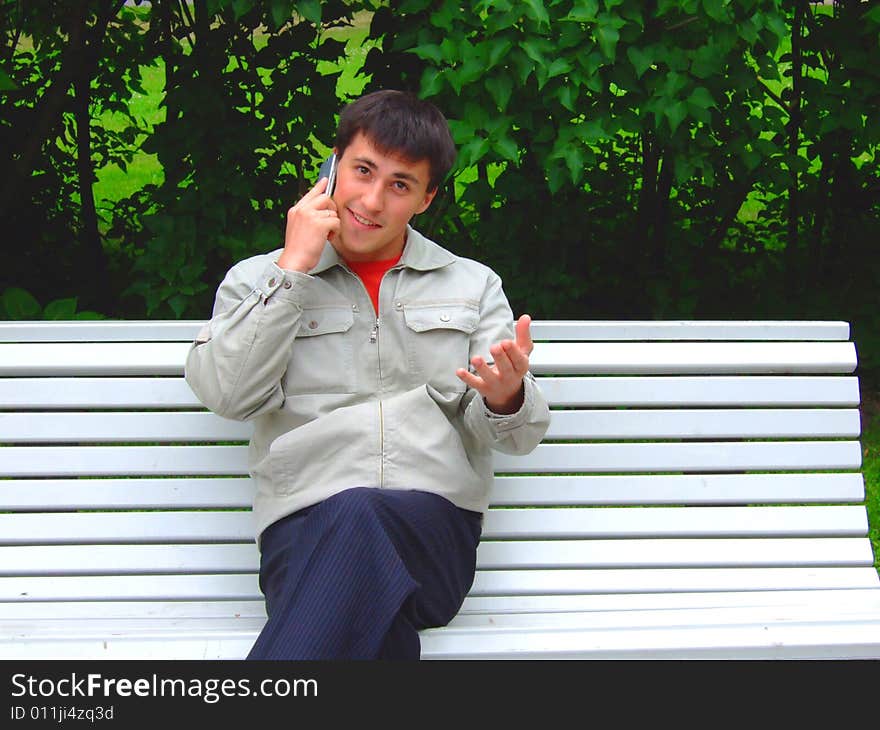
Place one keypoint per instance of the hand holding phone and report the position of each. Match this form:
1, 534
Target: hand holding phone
310, 223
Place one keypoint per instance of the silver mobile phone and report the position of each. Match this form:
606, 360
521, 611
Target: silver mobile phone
328, 170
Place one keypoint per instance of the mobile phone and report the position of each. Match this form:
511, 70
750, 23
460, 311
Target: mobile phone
328, 170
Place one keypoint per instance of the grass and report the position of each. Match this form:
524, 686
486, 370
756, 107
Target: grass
871, 466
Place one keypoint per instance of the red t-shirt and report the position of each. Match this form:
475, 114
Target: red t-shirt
371, 273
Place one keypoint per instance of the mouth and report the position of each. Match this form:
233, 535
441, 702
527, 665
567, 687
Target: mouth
362, 221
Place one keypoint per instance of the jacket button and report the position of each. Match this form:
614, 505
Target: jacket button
287, 284
445, 317
313, 325
398, 305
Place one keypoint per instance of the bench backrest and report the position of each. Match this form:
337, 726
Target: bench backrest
683, 457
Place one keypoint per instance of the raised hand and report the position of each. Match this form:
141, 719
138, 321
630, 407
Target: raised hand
501, 384
310, 223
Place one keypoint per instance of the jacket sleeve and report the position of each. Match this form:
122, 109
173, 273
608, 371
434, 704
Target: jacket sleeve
520, 432
238, 359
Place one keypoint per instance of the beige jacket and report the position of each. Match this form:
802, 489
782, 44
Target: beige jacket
340, 398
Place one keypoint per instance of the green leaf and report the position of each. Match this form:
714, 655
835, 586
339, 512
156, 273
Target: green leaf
6, 83
310, 10
60, 309
608, 36
501, 89
716, 9
538, 12
281, 11
702, 98
583, 11
498, 49
445, 17
640, 60
473, 151
675, 113
428, 52
574, 161
558, 67
507, 148
241, 7
567, 95
556, 178
533, 52
88, 314
20, 304
432, 82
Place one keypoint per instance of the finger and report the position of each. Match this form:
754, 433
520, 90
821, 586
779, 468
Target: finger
471, 380
524, 334
318, 188
502, 358
484, 370
518, 359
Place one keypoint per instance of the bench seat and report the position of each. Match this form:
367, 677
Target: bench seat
698, 494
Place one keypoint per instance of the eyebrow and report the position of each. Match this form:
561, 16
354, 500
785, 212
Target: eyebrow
397, 175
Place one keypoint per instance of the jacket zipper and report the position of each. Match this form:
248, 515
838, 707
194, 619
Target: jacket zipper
374, 339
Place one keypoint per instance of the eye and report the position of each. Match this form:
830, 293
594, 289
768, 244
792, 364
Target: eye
362, 170
400, 186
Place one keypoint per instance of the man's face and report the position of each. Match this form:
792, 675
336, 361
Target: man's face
376, 196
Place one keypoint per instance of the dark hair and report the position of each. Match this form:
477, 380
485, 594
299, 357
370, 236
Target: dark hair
398, 122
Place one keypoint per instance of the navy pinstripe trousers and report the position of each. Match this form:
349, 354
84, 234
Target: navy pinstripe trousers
359, 574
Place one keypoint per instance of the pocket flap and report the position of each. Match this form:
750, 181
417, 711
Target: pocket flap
325, 320
461, 316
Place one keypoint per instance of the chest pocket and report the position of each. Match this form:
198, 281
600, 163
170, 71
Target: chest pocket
322, 355
439, 337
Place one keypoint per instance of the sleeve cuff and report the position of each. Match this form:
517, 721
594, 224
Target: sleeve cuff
279, 283
508, 422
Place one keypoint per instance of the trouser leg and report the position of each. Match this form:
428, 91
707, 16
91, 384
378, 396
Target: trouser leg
358, 575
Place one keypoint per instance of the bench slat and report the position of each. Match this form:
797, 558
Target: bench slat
687, 553
186, 330
167, 427
596, 391
688, 330
68, 494
678, 489
237, 492
821, 638
562, 358
510, 524
465, 625
688, 457
240, 587
85, 612
802, 640
719, 390
566, 358
45, 461
691, 580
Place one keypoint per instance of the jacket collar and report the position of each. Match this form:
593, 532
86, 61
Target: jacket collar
418, 253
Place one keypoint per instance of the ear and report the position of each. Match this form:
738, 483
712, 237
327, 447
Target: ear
429, 197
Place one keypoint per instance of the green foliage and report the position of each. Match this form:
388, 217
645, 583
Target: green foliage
617, 158
17, 304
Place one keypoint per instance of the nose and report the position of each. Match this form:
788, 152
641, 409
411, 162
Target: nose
373, 197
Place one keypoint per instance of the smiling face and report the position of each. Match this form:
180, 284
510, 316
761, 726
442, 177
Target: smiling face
376, 196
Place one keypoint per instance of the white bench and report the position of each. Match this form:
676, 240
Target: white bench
698, 495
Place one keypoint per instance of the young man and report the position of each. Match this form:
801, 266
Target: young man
350, 350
